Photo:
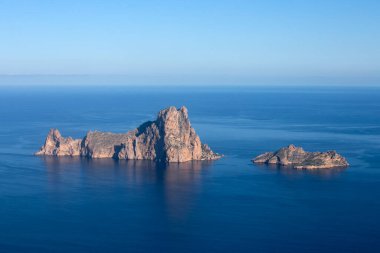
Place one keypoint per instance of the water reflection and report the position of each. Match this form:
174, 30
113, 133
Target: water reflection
171, 188
290, 171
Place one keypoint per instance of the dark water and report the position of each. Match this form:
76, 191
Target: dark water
230, 205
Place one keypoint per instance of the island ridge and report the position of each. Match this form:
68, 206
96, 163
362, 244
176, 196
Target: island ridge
169, 138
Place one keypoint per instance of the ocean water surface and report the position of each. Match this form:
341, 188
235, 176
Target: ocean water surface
230, 205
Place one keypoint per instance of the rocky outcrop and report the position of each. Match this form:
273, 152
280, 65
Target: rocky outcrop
300, 159
169, 138
57, 145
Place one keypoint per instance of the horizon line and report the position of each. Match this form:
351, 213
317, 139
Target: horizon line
182, 80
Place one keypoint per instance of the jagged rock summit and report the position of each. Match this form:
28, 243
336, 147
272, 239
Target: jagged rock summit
300, 159
169, 138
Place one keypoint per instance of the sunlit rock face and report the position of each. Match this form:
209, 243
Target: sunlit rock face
57, 145
169, 138
300, 159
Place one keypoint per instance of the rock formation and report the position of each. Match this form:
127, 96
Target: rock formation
300, 159
57, 145
169, 138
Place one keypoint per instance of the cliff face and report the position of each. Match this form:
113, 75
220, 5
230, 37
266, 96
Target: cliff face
300, 159
169, 138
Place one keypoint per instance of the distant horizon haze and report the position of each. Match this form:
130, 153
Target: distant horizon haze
185, 80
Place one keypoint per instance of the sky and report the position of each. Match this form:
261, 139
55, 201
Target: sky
198, 42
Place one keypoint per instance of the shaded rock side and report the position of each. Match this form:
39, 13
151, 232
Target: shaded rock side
300, 159
169, 138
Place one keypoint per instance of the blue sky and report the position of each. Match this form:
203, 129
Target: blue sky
190, 42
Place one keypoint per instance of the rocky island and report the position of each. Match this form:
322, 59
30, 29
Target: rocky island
300, 159
169, 138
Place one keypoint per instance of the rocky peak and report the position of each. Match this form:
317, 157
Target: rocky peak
53, 137
173, 120
57, 145
172, 111
179, 139
54, 134
293, 149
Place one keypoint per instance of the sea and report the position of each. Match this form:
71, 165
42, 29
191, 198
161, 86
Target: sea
50, 204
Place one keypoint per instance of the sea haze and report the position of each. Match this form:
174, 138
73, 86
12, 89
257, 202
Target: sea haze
229, 205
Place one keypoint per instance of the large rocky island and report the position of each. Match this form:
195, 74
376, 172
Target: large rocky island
298, 158
169, 138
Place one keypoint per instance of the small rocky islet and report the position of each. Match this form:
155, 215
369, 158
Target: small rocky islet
170, 138
298, 158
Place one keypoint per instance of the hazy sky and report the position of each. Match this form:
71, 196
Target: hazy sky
190, 42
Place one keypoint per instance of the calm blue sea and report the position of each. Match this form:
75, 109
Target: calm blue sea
230, 205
